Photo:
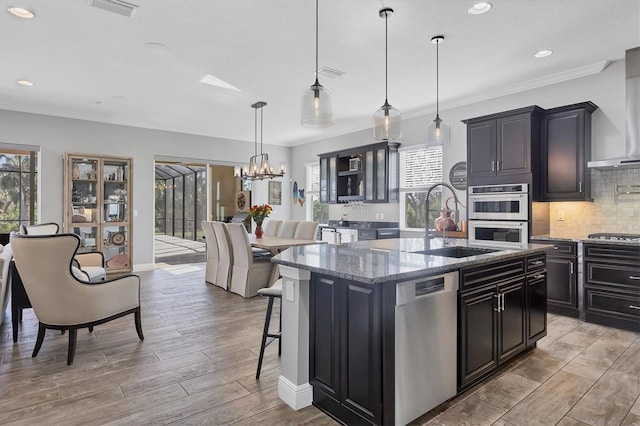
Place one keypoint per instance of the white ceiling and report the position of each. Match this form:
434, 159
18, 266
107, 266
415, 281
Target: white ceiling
91, 64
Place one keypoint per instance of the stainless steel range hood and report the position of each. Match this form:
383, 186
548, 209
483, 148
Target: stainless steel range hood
632, 116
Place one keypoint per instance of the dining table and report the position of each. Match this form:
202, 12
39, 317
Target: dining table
277, 244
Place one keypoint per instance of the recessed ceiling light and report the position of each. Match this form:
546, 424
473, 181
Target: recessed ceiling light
25, 83
21, 12
479, 8
543, 53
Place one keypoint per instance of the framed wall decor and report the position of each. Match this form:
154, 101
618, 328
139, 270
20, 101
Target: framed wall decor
275, 193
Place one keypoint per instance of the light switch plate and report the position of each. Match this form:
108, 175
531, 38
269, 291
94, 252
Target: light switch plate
289, 291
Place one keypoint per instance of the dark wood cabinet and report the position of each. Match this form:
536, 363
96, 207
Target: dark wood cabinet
562, 174
502, 311
370, 174
612, 285
562, 279
345, 366
502, 145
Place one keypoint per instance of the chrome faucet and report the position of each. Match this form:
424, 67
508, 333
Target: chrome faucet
427, 237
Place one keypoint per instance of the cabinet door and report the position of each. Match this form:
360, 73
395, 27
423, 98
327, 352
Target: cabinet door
381, 175
361, 361
369, 176
563, 154
512, 319
513, 145
324, 189
324, 336
481, 148
115, 215
536, 307
393, 179
561, 282
477, 333
332, 181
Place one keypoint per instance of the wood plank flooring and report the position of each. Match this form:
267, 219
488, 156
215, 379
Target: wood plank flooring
197, 366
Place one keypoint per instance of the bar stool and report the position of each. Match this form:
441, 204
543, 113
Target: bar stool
273, 292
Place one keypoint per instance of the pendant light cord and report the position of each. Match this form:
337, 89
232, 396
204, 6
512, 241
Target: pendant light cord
386, 59
317, 43
437, 78
255, 131
261, 122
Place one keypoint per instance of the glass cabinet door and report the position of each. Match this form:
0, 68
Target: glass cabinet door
381, 174
89, 238
323, 180
368, 170
116, 247
84, 191
333, 181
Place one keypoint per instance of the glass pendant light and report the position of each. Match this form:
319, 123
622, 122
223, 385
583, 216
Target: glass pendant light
438, 130
386, 120
316, 101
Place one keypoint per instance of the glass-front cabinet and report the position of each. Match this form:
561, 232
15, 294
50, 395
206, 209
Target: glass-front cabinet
97, 207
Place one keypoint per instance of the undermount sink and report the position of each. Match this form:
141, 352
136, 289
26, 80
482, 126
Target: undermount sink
456, 251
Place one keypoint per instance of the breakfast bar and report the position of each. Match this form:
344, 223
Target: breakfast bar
372, 329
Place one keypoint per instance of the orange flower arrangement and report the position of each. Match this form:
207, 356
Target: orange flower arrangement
260, 213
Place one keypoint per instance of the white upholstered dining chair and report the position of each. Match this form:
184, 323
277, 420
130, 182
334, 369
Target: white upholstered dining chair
248, 273
288, 228
272, 227
225, 255
212, 252
306, 230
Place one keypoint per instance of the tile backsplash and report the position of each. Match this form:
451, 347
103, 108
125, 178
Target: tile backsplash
609, 211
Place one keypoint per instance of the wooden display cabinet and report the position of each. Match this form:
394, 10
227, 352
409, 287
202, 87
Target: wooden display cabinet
97, 207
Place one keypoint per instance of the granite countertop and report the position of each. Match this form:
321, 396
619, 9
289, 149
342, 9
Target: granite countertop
583, 239
380, 261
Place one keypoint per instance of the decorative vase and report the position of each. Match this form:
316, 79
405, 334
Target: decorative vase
259, 232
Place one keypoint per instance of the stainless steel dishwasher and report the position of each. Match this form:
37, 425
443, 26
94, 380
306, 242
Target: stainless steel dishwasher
425, 344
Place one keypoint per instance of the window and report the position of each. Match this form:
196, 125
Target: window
316, 211
420, 167
18, 188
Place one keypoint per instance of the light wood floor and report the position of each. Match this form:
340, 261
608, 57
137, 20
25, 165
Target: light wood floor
197, 366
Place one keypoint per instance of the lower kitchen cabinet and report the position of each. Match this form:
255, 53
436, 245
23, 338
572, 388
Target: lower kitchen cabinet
612, 285
345, 369
562, 279
498, 320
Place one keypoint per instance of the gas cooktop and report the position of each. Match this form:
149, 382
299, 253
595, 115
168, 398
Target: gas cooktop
614, 237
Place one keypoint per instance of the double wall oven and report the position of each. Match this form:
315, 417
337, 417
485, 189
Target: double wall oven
499, 215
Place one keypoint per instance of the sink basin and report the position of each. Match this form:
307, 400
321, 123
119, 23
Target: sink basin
456, 251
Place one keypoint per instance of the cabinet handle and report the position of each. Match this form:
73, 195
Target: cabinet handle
555, 247
633, 277
580, 186
634, 307
537, 277
537, 262
571, 265
493, 166
502, 301
498, 165
497, 296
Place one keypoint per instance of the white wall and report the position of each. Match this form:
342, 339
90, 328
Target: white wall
57, 135
605, 89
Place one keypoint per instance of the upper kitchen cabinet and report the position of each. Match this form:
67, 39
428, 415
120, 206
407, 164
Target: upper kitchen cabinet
369, 173
97, 207
502, 145
562, 174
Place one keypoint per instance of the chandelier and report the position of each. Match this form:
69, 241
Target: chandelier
259, 167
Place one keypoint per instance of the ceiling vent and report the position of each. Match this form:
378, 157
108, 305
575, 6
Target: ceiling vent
330, 72
115, 6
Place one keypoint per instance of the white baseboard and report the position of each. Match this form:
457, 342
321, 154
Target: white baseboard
296, 397
141, 267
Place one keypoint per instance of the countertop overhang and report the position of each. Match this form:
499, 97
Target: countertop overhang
380, 261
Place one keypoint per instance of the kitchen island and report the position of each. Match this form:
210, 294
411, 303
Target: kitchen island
347, 341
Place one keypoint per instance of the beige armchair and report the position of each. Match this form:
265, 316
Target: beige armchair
249, 274
91, 265
63, 301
